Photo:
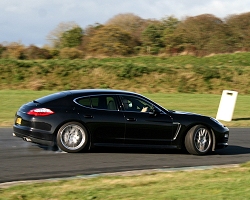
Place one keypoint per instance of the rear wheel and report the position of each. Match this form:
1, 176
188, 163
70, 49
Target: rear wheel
72, 137
198, 140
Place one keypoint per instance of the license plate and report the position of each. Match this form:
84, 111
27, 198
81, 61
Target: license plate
18, 120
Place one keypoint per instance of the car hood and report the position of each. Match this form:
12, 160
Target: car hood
184, 113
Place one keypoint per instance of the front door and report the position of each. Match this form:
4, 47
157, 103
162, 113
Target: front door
143, 126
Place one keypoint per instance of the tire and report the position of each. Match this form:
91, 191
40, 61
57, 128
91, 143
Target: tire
72, 137
198, 140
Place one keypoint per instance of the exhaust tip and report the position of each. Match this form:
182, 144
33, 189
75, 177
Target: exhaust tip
14, 135
27, 139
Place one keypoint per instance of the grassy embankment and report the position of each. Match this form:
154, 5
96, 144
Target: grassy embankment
180, 74
224, 183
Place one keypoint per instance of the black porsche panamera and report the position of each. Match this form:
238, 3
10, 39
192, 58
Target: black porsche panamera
77, 120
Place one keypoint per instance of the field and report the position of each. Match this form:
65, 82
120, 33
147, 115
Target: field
206, 104
223, 183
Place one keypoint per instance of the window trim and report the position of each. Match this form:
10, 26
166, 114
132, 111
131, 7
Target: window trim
98, 95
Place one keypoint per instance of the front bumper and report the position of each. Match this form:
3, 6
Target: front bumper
222, 139
221, 145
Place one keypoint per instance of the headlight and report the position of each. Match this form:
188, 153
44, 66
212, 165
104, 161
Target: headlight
216, 121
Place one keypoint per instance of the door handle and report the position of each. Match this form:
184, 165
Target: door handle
88, 116
131, 119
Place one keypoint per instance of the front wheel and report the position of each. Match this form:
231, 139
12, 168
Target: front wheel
198, 140
72, 137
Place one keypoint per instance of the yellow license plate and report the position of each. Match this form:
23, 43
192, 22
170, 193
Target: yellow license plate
18, 120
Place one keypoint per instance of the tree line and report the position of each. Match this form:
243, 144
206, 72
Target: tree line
130, 35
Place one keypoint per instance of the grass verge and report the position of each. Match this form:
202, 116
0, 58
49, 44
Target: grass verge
206, 104
221, 183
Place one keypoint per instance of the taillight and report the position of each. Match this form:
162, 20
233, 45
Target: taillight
40, 112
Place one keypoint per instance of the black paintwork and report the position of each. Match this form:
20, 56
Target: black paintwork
157, 127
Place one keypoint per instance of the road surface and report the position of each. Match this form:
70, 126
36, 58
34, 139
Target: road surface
21, 160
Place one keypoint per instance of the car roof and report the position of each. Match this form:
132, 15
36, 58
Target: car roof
99, 91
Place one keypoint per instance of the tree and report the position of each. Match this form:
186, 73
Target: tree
70, 53
54, 37
152, 37
14, 50
239, 29
2, 49
170, 24
158, 34
131, 23
89, 32
128, 21
71, 38
34, 52
201, 34
110, 40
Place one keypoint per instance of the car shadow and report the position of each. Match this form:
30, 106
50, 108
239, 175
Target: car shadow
135, 150
233, 150
48, 148
120, 150
230, 150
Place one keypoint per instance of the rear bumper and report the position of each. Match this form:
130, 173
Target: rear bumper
34, 135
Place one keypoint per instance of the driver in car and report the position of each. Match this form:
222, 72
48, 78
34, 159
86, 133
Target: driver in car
128, 106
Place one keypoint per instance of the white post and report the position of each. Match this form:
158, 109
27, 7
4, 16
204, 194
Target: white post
227, 105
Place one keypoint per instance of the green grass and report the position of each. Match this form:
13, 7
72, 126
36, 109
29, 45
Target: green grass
206, 104
224, 183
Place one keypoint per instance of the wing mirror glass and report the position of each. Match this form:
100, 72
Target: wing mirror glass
154, 112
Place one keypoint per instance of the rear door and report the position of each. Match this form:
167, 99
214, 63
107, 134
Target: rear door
102, 118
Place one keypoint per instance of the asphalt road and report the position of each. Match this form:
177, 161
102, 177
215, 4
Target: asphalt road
21, 160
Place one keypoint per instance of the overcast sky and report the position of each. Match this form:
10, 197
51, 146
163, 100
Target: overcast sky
30, 21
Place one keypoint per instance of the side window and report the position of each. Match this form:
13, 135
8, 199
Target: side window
111, 103
96, 102
99, 102
84, 102
136, 104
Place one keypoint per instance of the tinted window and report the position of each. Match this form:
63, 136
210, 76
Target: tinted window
131, 103
84, 102
98, 102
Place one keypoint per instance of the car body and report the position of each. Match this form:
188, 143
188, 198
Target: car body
76, 120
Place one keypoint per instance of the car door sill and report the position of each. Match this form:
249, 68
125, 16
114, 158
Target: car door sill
136, 146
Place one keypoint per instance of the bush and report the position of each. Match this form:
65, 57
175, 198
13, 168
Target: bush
130, 70
13, 51
207, 72
33, 52
70, 53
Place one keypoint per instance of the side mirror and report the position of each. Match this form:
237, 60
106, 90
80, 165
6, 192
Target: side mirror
154, 112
